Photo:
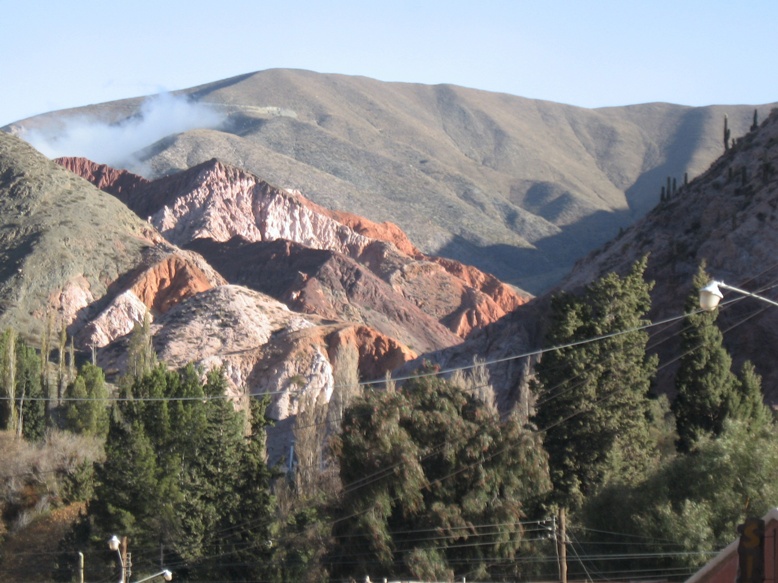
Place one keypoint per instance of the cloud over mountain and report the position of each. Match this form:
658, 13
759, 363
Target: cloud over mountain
116, 143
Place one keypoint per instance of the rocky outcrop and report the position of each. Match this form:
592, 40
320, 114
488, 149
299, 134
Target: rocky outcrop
106, 178
171, 281
219, 202
328, 284
166, 282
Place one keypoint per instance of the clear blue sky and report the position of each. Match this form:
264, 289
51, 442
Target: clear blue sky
592, 53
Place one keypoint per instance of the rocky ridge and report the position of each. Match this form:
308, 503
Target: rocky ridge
354, 285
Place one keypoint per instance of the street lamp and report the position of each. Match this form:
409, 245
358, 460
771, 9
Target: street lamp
711, 295
120, 546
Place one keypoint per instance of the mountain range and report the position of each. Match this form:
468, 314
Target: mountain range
517, 187
280, 289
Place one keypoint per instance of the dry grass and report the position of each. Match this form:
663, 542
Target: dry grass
34, 489
33, 478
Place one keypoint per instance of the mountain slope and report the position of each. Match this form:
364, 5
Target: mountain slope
63, 242
727, 217
521, 188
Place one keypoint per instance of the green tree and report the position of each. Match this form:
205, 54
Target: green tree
8, 372
87, 410
141, 357
127, 491
748, 406
707, 390
182, 475
30, 401
435, 483
593, 397
691, 504
247, 542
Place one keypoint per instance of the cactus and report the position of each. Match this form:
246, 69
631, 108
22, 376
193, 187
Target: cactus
726, 133
675, 187
663, 196
755, 125
685, 179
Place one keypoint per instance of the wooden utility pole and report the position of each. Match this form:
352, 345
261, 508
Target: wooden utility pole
562, 546
126, 560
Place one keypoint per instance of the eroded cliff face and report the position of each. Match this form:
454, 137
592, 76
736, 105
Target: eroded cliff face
106, 178
219, 202
351, 284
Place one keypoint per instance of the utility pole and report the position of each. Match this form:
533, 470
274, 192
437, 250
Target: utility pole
126, 561
562, 546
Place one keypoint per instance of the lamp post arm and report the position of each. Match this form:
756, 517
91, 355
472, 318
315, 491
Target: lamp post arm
167, 575
745, 293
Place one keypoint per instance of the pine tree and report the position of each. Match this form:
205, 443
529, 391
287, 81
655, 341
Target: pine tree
706, 387
127, 490
248, 542
592, 398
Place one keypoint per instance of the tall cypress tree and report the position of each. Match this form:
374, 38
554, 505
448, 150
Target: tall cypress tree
592, 398
126, 495
706, 387
30, 403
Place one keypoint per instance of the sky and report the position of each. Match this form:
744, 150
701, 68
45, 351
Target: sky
590, 53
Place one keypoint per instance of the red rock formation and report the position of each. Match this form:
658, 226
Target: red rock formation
388, 232
213, 200
169, 282
377, 353
104, 177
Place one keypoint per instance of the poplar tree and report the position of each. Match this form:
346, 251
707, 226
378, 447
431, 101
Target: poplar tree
8, 370
593, 396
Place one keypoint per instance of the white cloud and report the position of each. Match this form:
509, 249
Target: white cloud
117, 144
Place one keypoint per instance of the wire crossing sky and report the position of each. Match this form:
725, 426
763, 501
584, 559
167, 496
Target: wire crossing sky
590, 53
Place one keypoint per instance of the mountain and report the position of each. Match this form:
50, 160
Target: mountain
727, 217
62, 241
252, 252
520, 188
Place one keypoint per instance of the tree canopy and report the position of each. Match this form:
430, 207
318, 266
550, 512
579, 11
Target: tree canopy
593, 396
436, 485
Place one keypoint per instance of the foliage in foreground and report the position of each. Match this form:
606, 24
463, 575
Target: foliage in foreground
435, 484
692, 505
593, 397
182, 480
